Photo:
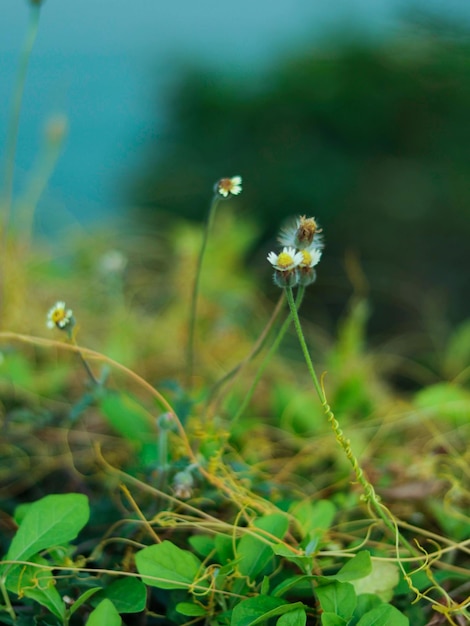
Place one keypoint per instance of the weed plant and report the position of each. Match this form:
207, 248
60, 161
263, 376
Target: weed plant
192, 467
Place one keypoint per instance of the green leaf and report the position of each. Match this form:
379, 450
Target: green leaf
83, 598
18, 370
105, 614
303, 562
359, 566
190, 609
331, 619
38, 584
202, 544
457, 354
128, 595
381, 581
254, 553
384, 615
365, 603
313, 518
166, 566
338, 598
53, 520
128, 417
259, 609
444, 400
450, 519
249, 610
297, 617
224, 547
290, 583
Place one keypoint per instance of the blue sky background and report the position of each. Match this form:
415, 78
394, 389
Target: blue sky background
108, 65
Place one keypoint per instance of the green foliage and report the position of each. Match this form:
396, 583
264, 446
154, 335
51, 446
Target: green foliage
166, 566
128, 595
105, 613
253, 553
50, 521
45, 524
226, 493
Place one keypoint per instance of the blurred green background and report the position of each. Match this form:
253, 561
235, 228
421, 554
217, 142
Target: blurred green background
355, 114
370, 139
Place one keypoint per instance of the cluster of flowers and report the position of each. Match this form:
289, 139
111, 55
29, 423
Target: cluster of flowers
303, 244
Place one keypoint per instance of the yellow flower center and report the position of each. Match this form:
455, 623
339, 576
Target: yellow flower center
225, 185
306, 258
284, 260
58, 315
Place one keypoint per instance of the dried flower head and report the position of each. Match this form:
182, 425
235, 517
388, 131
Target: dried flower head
229, 186
60, 317
304, 234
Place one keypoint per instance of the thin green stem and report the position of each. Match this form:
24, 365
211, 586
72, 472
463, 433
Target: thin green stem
6, 598
82, 359
369, 492
195, 293
272, 350
215, 392
92, 377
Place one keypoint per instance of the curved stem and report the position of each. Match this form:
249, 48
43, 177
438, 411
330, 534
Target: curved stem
213, 398
369, 492
195, 293
273, 349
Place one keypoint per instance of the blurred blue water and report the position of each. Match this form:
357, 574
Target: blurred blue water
108, 65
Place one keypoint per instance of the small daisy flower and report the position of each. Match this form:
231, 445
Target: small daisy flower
226, 187
310, 257
306, 275
286, 260
60, 317
304, 234
285, 264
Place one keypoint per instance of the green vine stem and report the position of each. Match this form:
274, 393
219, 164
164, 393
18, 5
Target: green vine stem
369, 492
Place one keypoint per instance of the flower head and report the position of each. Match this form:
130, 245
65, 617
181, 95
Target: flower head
285, 265
310, 257
306, 275
228, 186
60, 317
304, 234
286, 260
